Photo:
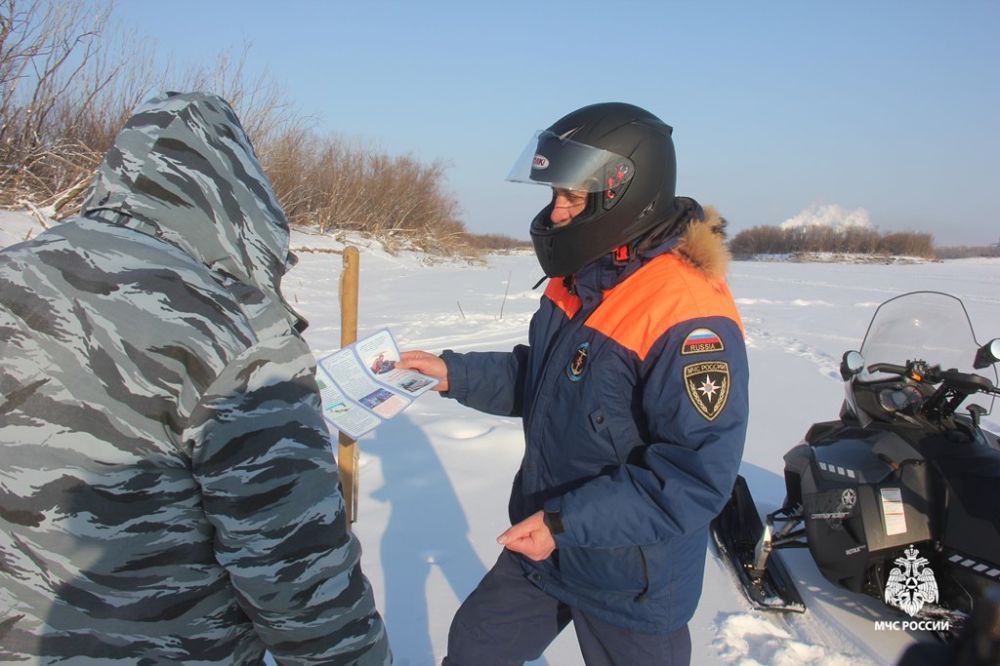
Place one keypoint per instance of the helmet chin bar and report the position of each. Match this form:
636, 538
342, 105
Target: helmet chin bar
565, 249
562, 251
556, 248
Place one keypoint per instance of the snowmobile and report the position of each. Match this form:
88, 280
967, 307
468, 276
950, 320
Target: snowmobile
899, 498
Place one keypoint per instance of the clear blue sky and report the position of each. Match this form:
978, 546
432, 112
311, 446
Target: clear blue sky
888, 106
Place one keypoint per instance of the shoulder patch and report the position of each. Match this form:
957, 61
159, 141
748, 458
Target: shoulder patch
701, 341
707, 386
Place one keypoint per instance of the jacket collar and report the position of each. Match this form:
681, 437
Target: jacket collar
702, 244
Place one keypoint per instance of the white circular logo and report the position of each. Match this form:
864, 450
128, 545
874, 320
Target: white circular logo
540, 162
849, 498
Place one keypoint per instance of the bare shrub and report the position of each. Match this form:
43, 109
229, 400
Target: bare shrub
262, 105
759, 240
67, 86
68, 82
51, 62
908, 244
859, 240
331, 183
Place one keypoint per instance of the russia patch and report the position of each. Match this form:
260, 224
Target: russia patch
701, 341
707, 387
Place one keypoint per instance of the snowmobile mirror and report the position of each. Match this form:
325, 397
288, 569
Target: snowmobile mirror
988, 354
851, 364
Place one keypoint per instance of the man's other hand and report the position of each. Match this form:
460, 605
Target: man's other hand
530, 537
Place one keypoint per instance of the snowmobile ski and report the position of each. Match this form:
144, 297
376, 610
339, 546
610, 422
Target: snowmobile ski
740, 537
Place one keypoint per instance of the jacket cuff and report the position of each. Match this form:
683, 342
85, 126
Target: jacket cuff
552, 515
458, 375
553, 520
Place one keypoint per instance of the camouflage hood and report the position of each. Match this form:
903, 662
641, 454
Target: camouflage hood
183, 169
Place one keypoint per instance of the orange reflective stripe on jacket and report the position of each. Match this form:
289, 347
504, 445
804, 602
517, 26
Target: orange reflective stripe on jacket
666, 291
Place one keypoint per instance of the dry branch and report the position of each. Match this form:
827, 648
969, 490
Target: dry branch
37, 214
67, 85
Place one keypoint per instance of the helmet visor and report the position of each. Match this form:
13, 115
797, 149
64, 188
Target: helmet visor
564, 163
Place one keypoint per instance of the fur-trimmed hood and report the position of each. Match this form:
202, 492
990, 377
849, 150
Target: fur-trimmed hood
703, 244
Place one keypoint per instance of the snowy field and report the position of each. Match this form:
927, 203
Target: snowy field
435, 480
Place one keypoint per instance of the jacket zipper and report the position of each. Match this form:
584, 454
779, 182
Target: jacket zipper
573, 325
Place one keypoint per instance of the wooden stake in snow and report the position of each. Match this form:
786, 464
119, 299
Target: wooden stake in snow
347, 451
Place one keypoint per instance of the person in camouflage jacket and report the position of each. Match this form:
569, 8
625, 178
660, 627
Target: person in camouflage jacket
168, 493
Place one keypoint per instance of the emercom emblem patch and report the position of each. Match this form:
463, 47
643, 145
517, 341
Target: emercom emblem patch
701, 341
707, 386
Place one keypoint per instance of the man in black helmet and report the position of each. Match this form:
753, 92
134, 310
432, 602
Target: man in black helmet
633, 394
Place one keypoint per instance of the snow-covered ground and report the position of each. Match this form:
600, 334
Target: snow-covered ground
434, 481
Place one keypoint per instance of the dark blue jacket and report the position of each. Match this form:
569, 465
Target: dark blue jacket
633, 392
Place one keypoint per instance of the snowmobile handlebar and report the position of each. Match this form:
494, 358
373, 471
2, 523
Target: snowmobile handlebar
890, 368
954, 386
919, 371
968, 381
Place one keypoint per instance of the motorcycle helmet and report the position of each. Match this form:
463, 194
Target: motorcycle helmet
622, 156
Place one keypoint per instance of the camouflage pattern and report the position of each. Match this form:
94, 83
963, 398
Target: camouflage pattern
168, 492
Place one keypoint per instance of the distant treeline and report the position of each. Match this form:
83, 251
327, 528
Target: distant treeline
68, 83
967, 252
850, 240
498, 242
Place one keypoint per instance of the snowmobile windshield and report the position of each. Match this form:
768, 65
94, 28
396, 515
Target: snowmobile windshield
926, 325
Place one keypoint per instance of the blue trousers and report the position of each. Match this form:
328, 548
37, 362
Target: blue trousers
507, 621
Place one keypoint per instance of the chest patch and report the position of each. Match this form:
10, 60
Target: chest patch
701, 341
707, 386
578, 365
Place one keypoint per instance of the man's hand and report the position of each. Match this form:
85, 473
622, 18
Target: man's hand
427, 364
530, 537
